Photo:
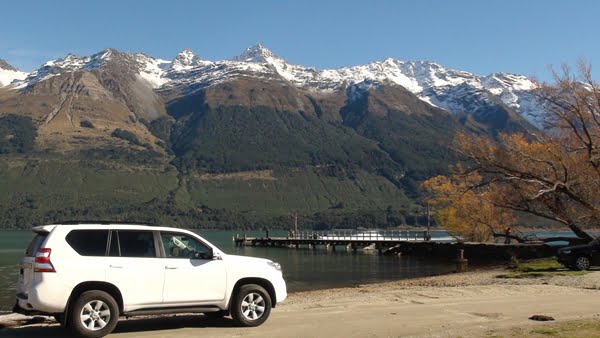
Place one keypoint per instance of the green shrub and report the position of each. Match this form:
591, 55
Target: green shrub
86, 124
17, 134
126, 135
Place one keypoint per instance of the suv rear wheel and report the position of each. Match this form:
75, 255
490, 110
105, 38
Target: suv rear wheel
94, 314
582, 263
251, 305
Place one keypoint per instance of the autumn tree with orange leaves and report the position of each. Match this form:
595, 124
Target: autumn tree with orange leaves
464, 209
553, 174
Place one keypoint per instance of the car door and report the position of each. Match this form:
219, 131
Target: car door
192, 275
135, 268
596, 252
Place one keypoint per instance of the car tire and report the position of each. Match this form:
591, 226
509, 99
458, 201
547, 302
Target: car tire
94, 314
582, 263
250, 306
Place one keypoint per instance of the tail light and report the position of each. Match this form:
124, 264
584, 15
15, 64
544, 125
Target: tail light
42, 261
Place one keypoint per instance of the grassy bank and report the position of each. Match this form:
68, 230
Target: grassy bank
547, 267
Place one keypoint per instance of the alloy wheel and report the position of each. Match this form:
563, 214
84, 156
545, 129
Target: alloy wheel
582, 263
95, 315
253, 306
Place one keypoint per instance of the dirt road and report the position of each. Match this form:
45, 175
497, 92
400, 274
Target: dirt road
387, 310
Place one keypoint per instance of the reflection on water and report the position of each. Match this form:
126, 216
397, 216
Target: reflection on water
307, 269
12, 247
304, 269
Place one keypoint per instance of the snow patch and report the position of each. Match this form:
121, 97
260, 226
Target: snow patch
7, 77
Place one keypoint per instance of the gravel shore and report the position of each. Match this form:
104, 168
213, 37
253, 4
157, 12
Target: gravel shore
471, 304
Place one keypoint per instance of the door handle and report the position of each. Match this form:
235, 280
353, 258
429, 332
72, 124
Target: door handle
170, 267
116, 266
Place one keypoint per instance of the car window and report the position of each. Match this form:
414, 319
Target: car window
36, 244
88, 242
134, 243
184, 246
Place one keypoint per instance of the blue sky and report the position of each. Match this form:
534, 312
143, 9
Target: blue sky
522, 37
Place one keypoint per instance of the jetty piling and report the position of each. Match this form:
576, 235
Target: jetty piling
462, 264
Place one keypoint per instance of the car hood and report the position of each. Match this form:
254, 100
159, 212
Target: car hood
574, 248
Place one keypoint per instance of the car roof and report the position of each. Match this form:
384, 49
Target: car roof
103, 225
103, 222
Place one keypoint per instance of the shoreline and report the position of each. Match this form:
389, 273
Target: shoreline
473, 268
469, 304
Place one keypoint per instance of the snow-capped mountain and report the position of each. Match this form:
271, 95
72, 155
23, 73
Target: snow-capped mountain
186, 60
8, 74
516, 91
453, 90
146, 67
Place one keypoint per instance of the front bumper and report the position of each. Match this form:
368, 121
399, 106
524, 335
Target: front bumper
565, 260
280, 289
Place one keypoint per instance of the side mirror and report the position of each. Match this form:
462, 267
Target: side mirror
205, 255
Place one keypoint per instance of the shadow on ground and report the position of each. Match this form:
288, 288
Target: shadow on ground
124, 326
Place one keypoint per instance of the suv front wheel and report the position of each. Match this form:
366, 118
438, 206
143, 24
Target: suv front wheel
251, 305
582, 263
94, 314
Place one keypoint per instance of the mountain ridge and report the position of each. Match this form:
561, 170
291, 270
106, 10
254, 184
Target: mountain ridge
428, 80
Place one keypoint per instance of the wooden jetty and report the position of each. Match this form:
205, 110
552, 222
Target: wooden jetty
436, 243
380, 240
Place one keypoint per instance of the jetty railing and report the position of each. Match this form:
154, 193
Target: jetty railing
370, 235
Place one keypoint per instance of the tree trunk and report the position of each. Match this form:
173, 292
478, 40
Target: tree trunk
580, 232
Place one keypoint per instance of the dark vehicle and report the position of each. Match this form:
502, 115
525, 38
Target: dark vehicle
580, 257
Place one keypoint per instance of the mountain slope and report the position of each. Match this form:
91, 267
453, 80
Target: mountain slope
250, 125
78, 103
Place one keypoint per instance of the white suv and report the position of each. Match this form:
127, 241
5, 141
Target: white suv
87, 275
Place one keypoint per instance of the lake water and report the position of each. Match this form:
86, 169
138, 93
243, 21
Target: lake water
303, 269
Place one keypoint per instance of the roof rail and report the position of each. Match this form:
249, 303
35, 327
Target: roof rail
74, 222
